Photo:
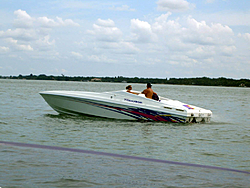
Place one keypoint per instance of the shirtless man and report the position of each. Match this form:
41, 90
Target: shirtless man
148, 92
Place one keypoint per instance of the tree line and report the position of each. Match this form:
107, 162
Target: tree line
202, 81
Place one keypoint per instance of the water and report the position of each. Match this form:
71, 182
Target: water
25, 117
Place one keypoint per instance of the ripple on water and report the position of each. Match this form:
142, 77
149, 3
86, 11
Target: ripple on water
26, 118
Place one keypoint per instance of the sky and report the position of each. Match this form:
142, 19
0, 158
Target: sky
150, 39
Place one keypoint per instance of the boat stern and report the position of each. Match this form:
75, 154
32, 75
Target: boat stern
199, 115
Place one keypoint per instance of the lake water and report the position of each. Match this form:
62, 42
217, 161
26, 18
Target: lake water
26, 118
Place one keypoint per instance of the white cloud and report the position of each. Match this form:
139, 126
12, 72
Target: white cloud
22, 15
165, 27
44, 43
186, 42
76, 4
122, 8
30, 32
128, 48
202, 33
4, 49
120, 47
174, 5
67, 22
47, 22
182, 42
23, 20
210, 1
230, 18
105, 23
182, 46
245, 36
200, 52
77, 55
25, 34
101, 59
18, 46
142, 31
59, 71
228, 50
24, 47
105, 30
163, 18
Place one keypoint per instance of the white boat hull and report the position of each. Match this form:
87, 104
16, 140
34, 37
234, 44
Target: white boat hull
123, 105
82, 106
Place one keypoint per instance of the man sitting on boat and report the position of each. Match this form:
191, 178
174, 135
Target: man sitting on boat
149, 93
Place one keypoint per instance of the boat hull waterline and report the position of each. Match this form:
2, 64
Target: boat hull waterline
124, 105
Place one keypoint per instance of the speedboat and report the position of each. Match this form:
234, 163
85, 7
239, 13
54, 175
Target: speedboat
124, 105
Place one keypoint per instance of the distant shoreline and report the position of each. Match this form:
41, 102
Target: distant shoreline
201, 81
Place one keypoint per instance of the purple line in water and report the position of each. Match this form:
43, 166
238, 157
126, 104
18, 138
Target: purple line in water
118, 155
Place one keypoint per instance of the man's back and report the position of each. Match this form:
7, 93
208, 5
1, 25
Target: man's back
148, 92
